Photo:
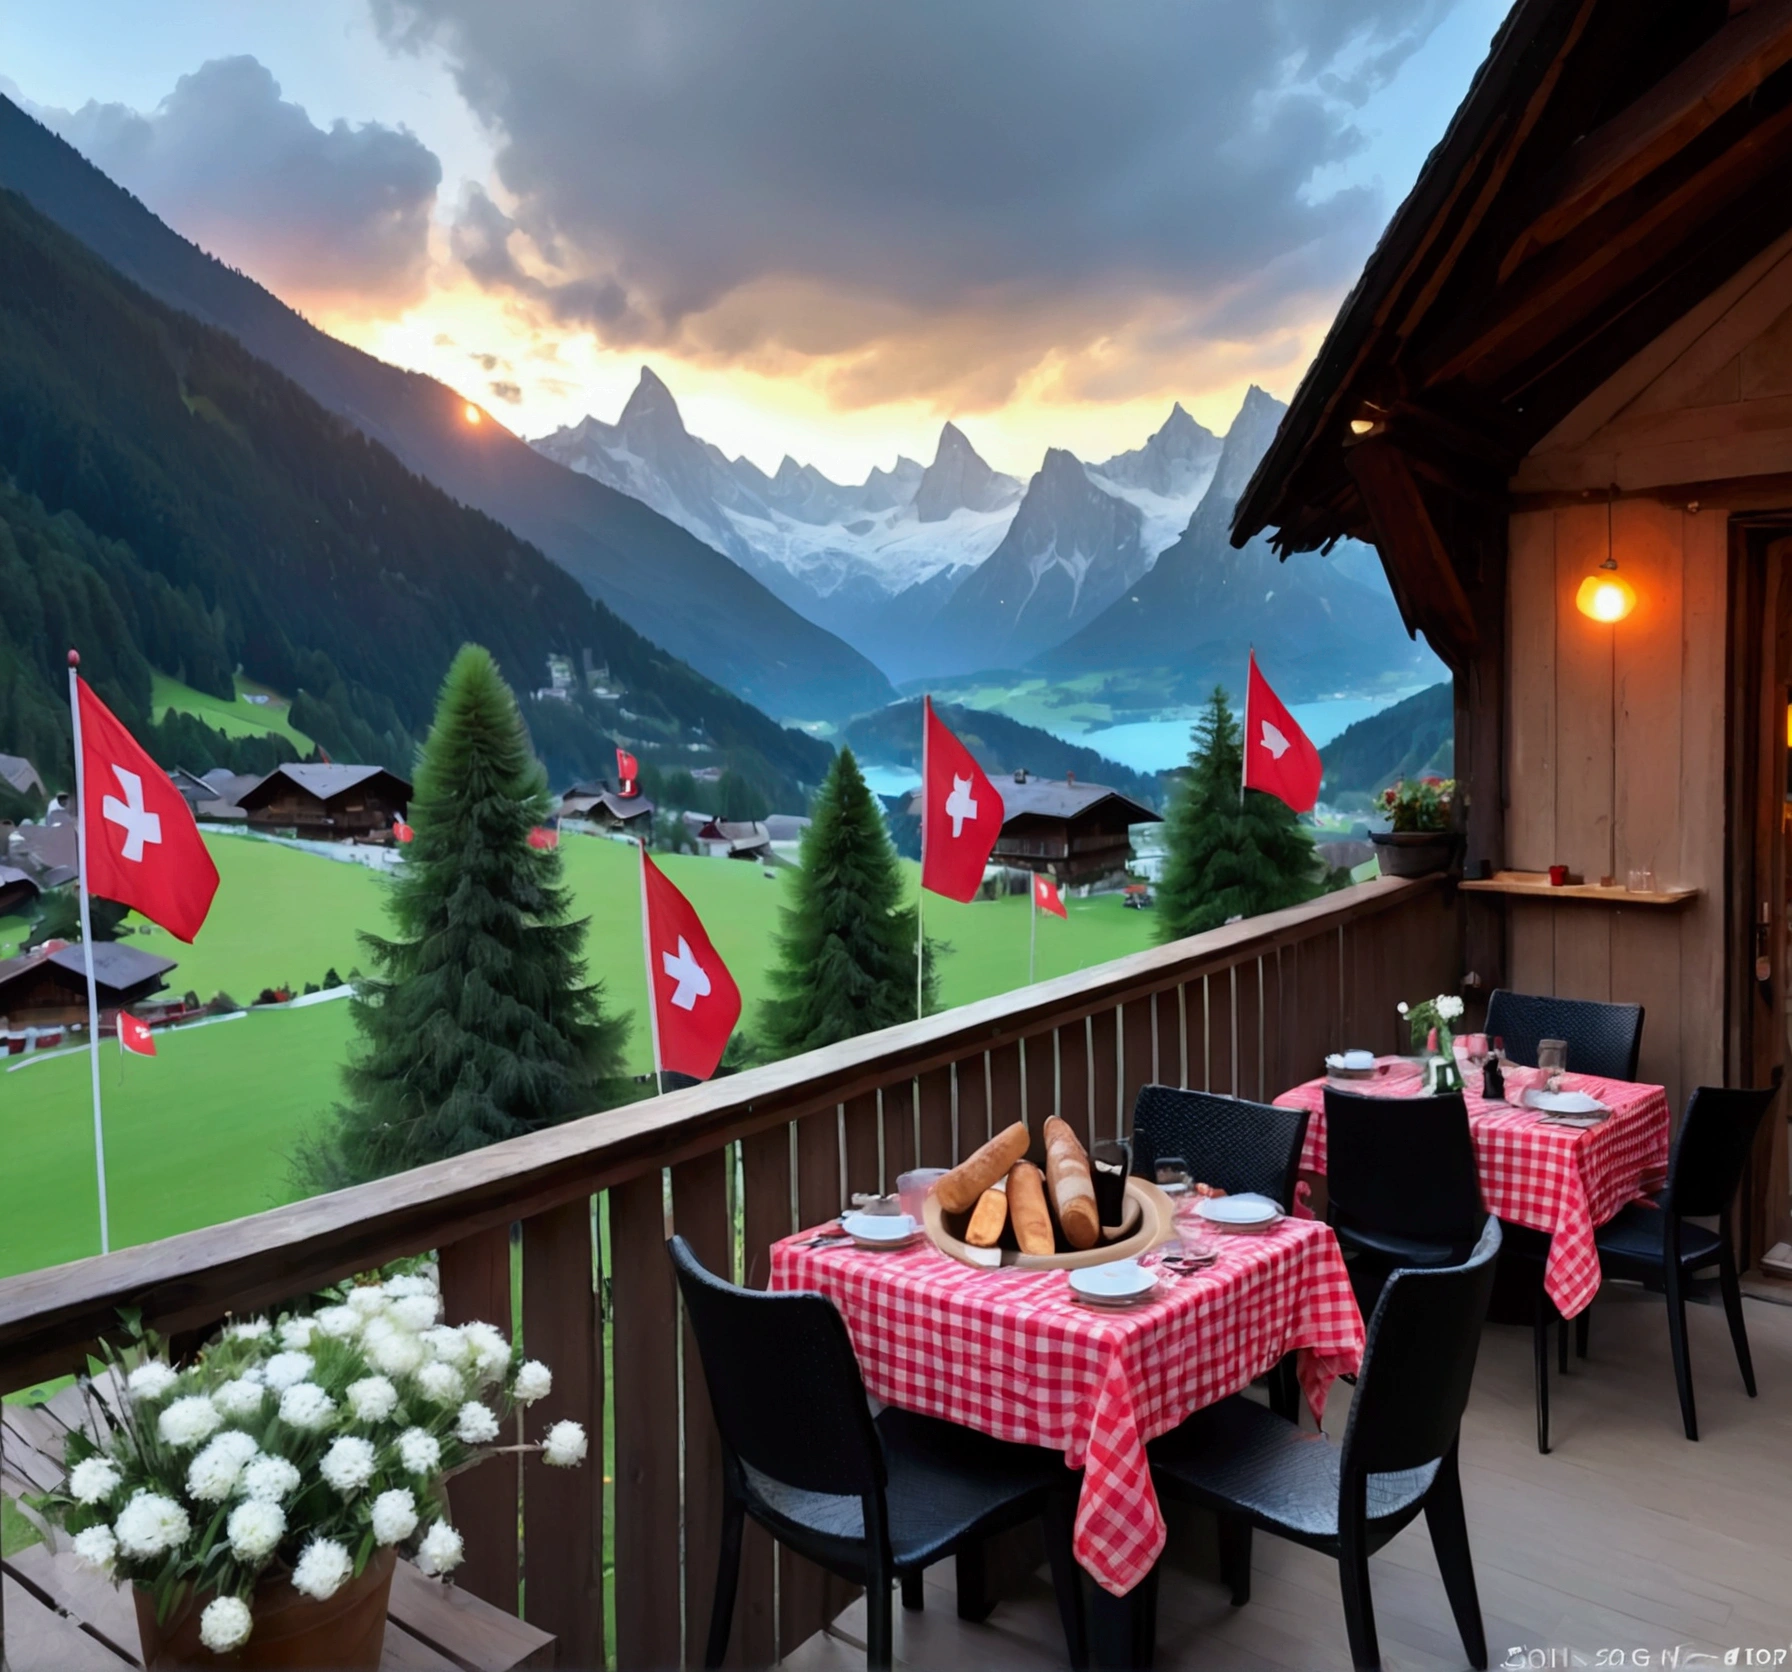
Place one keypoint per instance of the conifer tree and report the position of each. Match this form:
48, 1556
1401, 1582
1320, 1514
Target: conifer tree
478, 1023
1224, 856
846, 949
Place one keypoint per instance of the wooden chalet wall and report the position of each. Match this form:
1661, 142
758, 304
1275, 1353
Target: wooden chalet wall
1615, 737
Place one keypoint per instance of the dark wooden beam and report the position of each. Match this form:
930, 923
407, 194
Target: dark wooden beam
1615, 157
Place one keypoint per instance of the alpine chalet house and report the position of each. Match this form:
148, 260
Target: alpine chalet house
325, 802
48, 987
594, 802
1559, 403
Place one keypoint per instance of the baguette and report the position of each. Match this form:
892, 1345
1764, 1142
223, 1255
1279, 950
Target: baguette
989, 1219
1027, 1209
1072, 1186
962, 1188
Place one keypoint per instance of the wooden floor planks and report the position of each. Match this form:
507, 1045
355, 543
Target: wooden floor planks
1626, 1537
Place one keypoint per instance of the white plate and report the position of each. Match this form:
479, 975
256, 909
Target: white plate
1239, 1212
1119, 1281
880, 1228
1564, 1102
1351, 1062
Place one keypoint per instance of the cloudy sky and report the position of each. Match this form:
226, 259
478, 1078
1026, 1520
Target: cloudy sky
829, 226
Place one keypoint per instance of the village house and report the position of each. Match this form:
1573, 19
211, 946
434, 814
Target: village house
19, 774
212, 796
326, 802
729, 838
48, 987
596, 804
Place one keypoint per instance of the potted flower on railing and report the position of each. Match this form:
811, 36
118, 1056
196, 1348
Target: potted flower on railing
257, 1498
1420, 840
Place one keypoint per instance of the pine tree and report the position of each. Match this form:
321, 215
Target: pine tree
1224, 859
478, 1023
846, 949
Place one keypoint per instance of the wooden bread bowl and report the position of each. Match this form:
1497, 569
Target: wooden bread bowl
1146, 1225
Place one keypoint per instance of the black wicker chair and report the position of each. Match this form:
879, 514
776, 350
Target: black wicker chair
1404, 1190
1398, 1457
875, 1500
1226, 1141
1602, 1039
1656, 1245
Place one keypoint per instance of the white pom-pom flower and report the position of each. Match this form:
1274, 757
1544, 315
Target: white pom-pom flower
446, 1343
394, 1516
337, 1322
307, 1408
419, 1451
417, 1312
250, 1329
409, 1283
285, 1370
150, 1380
188, 1421
95, 1547
296, 1333
372, 1399
475, 1425
216, 1472
93, 1479
440, 1383
489, 1350
564, 1445
533, 1381
239, 1398
395, 1351
348, 1464
368, 1300
322, 1569
254, 1529
1449, 1007
1401, 1007
225, 1624
441, 1549
150, 1525
268, 1479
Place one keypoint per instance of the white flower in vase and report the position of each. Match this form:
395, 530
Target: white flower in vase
348, 1464
225, 1624
394, 1516
250, 1329
93, 1479
150, 1380
475, 1425
254, 1529
96, 1548
564, 1446
389, 1349
440, 1383
217, 1471
188, 1421
337, 1322
367, 1299
441, 1549
240, 1398
151, 1525
286, 1370
268, 1479
372, 1399
322, 1570
491, 1352
419, 1451
533, 1381
307, 1408
417, 1312
296, 1333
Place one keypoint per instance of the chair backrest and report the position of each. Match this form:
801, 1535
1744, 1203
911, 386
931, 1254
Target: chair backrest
1712, 1149
1602, 1039
1226, 1141
1402, 1165
1419, 1362
783, 1382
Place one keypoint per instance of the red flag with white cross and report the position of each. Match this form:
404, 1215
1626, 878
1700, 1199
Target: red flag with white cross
628, 772
695, 1001
1279, 758
142, 847
1047, 898
134, 1036
961, 813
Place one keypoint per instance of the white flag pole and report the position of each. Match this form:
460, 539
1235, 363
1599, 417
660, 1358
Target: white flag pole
653, 1009
1032, 927
93, 993
1244, 754
921, 892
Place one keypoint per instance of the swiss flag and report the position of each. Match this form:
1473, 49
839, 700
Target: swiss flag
134, 1036
143, 848
628, 769
961, 814
544, 839
695, 1001
401, 832
1279, 758
1047, 898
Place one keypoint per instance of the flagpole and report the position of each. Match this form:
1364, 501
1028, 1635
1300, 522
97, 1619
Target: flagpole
1244, 754
1032, 928
921, 892
93, 993
653, 1009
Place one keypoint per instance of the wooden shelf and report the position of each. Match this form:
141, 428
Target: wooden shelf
1536, 885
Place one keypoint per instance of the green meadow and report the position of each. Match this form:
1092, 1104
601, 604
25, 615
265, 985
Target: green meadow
201, 1132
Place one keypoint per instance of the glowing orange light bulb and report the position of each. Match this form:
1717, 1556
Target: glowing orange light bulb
1605, 596
474, 415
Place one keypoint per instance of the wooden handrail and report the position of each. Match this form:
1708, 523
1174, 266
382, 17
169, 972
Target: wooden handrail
48, 1317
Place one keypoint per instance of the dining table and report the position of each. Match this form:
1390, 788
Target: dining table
1010, 1352
1563, 1180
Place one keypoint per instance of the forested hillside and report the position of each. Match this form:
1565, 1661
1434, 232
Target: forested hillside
173, 502
1414, 736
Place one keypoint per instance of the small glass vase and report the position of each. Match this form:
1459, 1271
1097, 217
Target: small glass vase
1445, 1075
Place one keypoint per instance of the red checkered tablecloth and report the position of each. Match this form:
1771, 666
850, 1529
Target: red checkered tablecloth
1564, 1180
1010, 1353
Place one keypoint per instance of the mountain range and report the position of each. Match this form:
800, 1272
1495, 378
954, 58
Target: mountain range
675, 589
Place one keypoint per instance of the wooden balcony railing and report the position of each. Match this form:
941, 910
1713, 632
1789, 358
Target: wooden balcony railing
733, 1165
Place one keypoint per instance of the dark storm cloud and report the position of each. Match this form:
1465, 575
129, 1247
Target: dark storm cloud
795, 178
309, 210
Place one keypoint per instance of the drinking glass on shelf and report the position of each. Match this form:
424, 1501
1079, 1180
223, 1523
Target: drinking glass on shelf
1640, 881
1552, 1062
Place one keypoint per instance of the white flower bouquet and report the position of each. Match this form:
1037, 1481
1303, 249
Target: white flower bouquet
296, 1448
1433, 1036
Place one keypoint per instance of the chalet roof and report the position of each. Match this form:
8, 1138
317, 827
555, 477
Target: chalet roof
46, 848
1055, 798
11, 874
20, 774
1614, 163
117, 967
581, 799
190, 784
325, 780
227, 786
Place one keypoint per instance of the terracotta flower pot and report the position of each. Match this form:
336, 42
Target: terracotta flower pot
291, 1631
1413, 853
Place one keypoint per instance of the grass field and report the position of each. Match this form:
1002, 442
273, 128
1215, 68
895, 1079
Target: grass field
201, 1133
241, 718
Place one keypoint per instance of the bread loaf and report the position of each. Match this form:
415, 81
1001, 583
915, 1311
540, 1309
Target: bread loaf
1073, 1189
1027, 1209
962, 1188
988, 1220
